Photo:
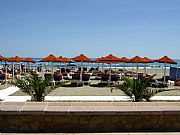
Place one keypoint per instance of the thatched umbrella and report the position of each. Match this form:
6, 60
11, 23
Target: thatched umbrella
165, 60
28, 60
81, 58
111, 59
136, 60
15, 59
51, 58
145, 61
124, 60
2, 58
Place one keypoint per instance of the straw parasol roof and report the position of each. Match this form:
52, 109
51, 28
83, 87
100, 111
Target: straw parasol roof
111, 58
147, 60
124, 59
165, 59
50, 58
28, 60
2, 58
98, 60
15, 59
136, 59
81, 58
61, 59
66, 59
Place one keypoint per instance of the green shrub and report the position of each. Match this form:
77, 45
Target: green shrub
137, 90
34, 86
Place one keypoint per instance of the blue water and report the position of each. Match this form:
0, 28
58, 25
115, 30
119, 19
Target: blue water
159, 65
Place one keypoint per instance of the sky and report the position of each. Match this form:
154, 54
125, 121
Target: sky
96, 28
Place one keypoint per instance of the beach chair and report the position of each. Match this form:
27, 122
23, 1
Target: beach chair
159, 84
86, 79
65, 75
57, 78
49, 79
76, 80
48, 76
105, 78
114, 78
2, 78
177, 82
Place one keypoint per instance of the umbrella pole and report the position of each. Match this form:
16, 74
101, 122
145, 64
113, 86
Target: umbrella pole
60, 67
65, 67
102, 66
98, 65
176, 73
110, 73
34, 67
164, 72
133, 70
6, 73
20, 69
145, 69
115, 66
25, 65
29, 68
137, 70
51, 68
13, 70
124, 68
81, 71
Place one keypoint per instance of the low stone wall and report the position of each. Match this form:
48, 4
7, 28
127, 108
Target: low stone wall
89, 116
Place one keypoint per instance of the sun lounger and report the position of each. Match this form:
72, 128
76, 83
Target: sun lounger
86, 78
48, 76
2, 78
76, 79
65, 75
159, 84
177, 82
57, 77
109, 80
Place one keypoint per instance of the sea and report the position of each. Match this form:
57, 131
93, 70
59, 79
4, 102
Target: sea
119, 65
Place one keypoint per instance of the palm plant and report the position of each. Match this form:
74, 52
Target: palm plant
34, 86
136, 89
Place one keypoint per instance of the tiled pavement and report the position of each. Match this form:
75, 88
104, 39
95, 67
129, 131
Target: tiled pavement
8, 91
4, 95
89, 107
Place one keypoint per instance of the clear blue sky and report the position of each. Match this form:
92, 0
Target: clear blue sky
96, 28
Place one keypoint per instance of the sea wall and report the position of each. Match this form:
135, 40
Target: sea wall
89, 116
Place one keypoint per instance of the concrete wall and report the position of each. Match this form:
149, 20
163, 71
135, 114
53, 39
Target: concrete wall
89, 117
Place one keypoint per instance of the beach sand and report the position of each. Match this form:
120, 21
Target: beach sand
151, 71
4, 86
86, 91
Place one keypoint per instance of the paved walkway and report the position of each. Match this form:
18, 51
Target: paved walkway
8, 91
161, 98
87, 98
4, 95
17, 99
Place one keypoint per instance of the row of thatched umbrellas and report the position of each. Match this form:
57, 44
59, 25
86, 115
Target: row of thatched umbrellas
110, 59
